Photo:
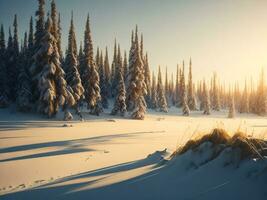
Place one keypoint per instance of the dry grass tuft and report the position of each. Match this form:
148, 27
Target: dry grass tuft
249, 146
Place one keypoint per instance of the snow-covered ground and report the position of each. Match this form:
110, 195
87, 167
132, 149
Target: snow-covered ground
109, 157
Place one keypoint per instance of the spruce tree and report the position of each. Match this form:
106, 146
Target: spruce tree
71, 70
90, 75
24, 93
261, 96
125, 66
166, 88
231, 113
177, 94
191, 96
12, 60
244, 106
215, 93
161, 99
107, 74
51, 83
148, 81
129, 99
3, 71
182, 89
120, 105
36, 65
137, 85
114, 66
205, 100
154, 100
103, 83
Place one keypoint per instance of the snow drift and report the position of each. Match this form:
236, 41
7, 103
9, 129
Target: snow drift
215, 166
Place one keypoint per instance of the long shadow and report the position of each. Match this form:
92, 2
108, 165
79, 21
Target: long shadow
61, 189
70, 146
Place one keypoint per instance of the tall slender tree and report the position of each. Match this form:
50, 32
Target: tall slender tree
137, 85
72, 74
90, 76
154, 100
205, 99
103, 82
107, 74
4, 101
161, 99
191, 96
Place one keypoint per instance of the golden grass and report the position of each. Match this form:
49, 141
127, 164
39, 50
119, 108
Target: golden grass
249, 146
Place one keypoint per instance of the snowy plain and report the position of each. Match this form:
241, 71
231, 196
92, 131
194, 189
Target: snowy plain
109, 157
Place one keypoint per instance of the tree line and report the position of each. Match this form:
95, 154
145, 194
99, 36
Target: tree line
37, 76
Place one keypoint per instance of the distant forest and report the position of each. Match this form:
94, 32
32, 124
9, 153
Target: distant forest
37, 76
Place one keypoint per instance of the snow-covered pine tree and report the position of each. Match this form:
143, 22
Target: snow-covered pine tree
166, 88
172, 91
182, 88
176, 92
205, 100
90, 74
183, 95
125, 66
51, 83
72, 74
120, 104
12, 60
137, 85
37, 65
97, 57
161, 98
113, 70
148, 81
24, 94
231, 113
107, 74
244, 105
4, 101
154, 101
129, 99
260, 103
103, 83
215, 92
191, 96
80, 57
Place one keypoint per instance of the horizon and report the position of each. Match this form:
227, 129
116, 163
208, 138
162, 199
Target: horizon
235, 32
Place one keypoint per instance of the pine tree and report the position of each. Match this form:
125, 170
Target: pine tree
231, 113
191, 97
4, 101
154, 101
205, 100
36, 65
12, 61
120, 105
261, 97
97, 58
129, 99
125, 66
137, 85
103, 83
114, 65
215, 93
59, 39
177, 94
244, 107
90, 75
24, 94
107, 74
147, 81
51, 83
71, 70
182, 89
166, 88
162, 104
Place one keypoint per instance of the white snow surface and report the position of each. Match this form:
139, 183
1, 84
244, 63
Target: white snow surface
110, 157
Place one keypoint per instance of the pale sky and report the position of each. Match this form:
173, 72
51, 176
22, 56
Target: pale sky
226, 36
